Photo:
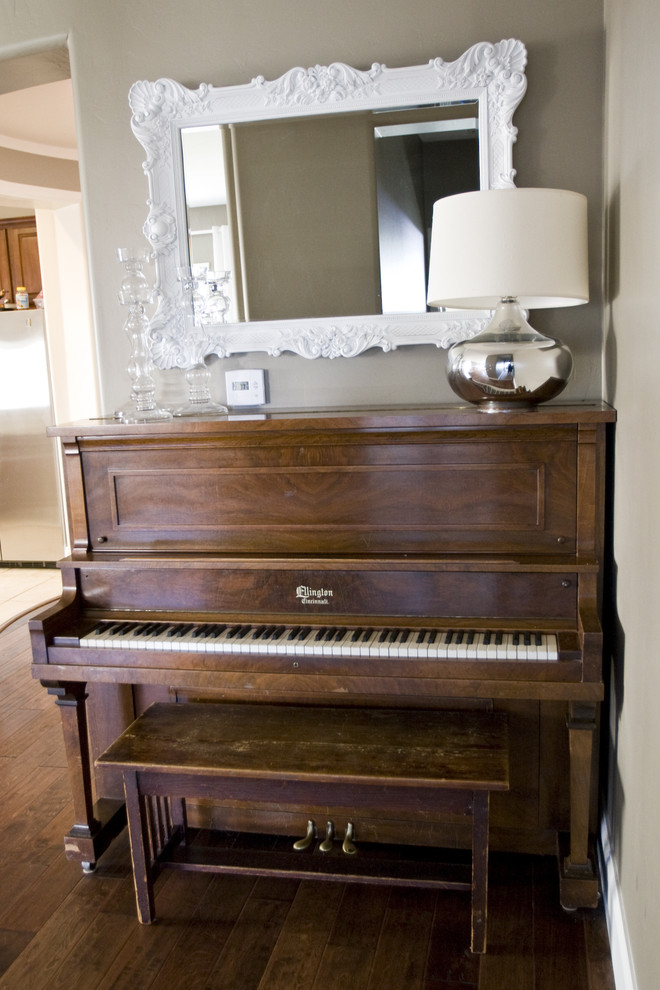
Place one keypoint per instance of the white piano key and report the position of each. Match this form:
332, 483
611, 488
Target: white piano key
454, 647
302, 646
415, 645
550, 647
491, 646
523, 647
367, 640
336, 642
434, 645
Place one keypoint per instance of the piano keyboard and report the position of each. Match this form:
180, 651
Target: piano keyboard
432, 644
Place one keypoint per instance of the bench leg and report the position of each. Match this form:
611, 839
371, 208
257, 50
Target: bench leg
138, 831
480, 808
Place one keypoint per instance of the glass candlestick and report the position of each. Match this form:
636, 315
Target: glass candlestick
216, 304
134, 292
198, 376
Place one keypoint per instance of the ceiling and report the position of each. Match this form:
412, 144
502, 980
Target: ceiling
39, 120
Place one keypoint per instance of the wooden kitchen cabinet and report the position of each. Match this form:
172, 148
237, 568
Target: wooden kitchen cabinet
19, 257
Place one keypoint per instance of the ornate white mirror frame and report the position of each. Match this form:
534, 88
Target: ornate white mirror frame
492, 75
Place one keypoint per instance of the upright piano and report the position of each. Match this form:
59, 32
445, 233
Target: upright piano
436, 558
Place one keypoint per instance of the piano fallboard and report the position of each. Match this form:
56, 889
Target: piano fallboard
304, 587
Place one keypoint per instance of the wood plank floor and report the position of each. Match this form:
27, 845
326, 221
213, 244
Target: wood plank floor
62, 929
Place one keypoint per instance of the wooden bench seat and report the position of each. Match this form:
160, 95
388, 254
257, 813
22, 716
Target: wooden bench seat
345, 758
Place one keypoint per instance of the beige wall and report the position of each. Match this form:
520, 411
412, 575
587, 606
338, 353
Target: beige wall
632, 351
112, 45
71, 350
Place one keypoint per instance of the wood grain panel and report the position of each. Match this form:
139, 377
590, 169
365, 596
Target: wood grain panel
469, 494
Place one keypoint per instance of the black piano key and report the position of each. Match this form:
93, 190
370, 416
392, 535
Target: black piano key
200, 631
160, 627
123, 627
144, 630
180, 629
109, 628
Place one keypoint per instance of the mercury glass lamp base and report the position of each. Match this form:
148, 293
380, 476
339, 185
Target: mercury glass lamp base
509, 365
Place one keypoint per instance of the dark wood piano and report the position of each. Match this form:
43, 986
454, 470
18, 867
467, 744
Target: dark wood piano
425, 558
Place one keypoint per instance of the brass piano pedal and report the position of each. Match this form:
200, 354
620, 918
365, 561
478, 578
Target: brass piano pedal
347, 845
326, 845
308, 838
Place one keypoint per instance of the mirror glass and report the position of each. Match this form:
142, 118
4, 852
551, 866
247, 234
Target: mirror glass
308, 198
324, 216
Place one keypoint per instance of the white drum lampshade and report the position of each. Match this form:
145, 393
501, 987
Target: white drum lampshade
510, 250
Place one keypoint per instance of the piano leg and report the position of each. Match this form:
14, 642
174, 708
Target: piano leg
578, 879
95, 826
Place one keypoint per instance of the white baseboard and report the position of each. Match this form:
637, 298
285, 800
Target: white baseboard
622, 962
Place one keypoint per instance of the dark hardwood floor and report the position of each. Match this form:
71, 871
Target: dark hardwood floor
62, 929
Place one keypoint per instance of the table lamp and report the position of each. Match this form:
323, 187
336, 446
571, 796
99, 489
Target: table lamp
509, 250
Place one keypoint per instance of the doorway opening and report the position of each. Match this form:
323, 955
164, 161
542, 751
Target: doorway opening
47, 352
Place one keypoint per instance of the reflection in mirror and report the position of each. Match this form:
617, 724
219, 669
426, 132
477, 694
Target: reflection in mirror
374, 135
210, 237
325, 216
418, 163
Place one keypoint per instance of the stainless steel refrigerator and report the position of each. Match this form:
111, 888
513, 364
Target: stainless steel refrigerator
31, 520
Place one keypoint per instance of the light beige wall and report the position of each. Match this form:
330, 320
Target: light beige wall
71, 349
632, 354
112, 45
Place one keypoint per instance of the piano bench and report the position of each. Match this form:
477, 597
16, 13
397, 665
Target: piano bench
369, 759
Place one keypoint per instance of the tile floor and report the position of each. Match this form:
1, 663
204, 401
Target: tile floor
24, 588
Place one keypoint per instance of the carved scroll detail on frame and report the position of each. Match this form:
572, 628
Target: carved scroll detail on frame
493, 75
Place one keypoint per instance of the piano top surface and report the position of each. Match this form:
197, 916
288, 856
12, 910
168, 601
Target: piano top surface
408, 417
